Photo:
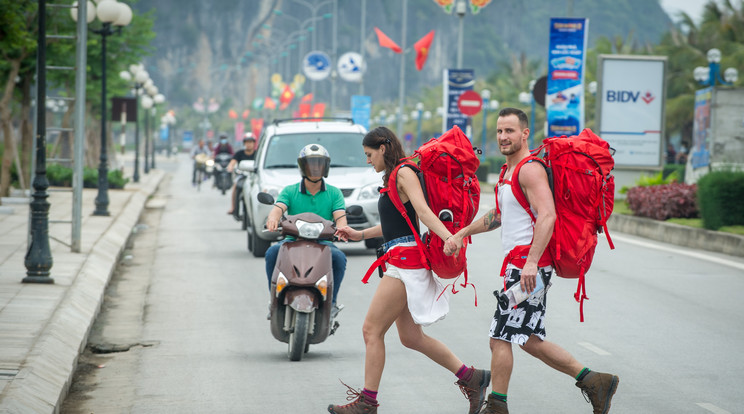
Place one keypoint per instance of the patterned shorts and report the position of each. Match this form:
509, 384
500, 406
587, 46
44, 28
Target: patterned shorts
516, 325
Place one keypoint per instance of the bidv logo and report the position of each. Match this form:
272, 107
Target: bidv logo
629, 96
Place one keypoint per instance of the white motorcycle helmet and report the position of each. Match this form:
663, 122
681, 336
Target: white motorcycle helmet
314, 161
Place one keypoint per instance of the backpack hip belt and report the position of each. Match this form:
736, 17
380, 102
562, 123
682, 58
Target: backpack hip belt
404, 257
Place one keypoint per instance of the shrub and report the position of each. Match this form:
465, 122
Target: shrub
664, 201
652, 180
720, 195
61, 176
678, 169
495, 164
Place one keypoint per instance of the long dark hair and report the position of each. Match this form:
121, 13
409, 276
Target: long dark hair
393, 149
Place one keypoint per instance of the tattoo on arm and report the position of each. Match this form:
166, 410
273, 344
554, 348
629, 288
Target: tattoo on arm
490, 222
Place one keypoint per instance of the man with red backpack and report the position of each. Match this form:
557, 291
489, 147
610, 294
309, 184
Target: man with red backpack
525, 243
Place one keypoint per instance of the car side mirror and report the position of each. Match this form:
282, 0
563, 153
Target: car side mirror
247, 165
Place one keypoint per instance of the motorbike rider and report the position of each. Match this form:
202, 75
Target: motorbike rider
248, 153
223, 146
311, 195
197, 150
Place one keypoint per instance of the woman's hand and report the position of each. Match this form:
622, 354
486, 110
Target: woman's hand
453, 244
346, 233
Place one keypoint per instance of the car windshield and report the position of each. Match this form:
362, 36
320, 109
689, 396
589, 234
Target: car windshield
345, 149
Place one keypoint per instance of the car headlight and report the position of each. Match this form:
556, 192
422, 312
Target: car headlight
309, 230
369, 192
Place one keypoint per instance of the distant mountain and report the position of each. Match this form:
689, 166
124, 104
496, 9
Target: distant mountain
222, 48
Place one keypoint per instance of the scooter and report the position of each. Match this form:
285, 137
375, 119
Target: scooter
239, 208
302, 283
222, 177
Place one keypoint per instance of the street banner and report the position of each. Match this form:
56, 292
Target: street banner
701, 129
164, 131
630, 112
566, 62
239, 132
256, 127
187, 140
361, 106
456, 82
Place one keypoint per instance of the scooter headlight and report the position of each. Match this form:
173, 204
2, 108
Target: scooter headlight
281, 283
309, 230
322, 286
210, 163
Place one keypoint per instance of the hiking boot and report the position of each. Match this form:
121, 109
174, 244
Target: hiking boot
361, 404
495, 406
598, 389
475, 388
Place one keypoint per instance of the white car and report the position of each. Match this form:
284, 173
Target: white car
276, 167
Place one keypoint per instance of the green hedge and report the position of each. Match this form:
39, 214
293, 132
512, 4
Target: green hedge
720, 195
671, 169
61, 176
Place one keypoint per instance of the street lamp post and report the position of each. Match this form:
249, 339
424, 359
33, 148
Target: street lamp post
167, 121
460, 8
529, 98
157, 99
419, 116
111, 13
493, 105
712, 74
140, 76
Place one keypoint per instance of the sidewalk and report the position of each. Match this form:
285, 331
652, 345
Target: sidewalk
44, 327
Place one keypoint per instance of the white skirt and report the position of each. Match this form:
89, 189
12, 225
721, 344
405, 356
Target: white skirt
426, 302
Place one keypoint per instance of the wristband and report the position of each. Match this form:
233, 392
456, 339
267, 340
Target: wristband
362, 234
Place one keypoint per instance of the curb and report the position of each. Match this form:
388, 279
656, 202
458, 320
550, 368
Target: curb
51, 362
694, 238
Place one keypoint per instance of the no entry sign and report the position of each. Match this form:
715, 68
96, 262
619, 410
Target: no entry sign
469, 103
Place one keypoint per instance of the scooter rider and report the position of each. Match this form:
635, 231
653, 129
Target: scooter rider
248, 153
311, 195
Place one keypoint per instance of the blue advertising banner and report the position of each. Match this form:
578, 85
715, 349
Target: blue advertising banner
188, 139
701, 128
361, 106
456, 81
566, 60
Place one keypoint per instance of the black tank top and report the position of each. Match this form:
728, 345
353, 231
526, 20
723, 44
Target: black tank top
392, 222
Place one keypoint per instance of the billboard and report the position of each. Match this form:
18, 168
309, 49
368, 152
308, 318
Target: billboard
456, 82
630, 107
701, 129
566, 61
361, 106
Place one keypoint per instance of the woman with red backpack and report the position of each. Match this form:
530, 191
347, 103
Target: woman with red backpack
408, 293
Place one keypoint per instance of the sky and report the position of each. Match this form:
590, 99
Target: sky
694, 8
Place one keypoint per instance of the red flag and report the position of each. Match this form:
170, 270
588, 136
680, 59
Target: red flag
246, 113
422, 49
269, 103
386, 42
256, 127
307, 98
232, 114
283, 106
286, 97
318, 110
304, 110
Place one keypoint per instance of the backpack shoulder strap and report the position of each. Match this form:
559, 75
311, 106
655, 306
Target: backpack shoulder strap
392, 192
517, 189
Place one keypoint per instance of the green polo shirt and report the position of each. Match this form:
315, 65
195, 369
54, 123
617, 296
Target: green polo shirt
323, 203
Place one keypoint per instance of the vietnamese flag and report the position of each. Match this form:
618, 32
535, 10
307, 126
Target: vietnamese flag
304, 110
232, 114
246, 113
422, 49
318, 110
269, 103
386, 42
256, 127
286, 97
307, 98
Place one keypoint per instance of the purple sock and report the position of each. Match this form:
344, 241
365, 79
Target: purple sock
463, 373
370, 394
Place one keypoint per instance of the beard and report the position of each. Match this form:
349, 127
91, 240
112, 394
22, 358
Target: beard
513, 148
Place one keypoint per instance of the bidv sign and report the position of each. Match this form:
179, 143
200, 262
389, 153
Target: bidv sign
629, 96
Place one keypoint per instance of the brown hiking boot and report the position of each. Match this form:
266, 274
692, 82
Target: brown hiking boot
598, 389
475, 388
360, 404
495, 406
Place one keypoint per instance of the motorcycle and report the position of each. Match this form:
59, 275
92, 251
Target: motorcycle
222, 177
301, 311
239, 208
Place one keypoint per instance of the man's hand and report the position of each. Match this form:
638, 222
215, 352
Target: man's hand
272, 223
453, 244
528, 278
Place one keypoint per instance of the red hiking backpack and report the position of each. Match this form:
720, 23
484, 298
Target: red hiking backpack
446, 167
584, 194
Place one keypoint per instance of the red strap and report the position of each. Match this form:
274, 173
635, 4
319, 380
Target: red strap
464, 284
580, 294
392, 192
404, 257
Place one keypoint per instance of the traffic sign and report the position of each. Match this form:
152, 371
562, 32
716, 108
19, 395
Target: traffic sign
469, 103
316, 65
351, 67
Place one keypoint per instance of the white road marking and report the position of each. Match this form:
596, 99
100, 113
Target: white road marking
686, 252
712, 408
597, 350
